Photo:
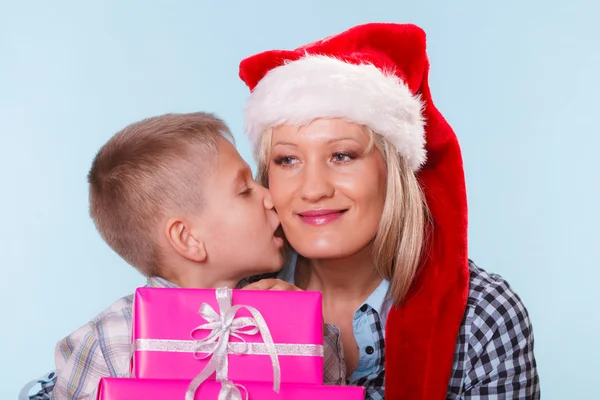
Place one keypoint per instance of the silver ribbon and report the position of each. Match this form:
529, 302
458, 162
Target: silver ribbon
222, 326
231, 391
192, 346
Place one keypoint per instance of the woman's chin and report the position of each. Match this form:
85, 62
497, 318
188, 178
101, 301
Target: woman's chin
325, 251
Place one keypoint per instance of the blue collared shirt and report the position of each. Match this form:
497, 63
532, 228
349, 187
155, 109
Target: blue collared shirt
370, 313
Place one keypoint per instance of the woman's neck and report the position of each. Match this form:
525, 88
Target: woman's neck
351, 278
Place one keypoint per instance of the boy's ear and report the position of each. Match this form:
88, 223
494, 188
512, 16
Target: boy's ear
180, 237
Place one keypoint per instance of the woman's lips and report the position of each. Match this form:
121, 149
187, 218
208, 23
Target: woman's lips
320, 217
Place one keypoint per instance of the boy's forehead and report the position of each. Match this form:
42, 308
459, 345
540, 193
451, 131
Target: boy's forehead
229, 161
225, 147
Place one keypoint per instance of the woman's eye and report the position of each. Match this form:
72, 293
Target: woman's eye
285, 160
343, 157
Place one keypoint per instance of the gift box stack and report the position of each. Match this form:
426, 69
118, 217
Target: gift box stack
203, 344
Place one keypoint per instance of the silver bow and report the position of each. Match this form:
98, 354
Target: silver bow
222, 325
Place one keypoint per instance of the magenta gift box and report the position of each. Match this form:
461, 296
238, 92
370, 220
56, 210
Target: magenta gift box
160, 389
164, 319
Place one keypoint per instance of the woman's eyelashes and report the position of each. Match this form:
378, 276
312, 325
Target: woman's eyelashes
344, 157
338, 157
284, 160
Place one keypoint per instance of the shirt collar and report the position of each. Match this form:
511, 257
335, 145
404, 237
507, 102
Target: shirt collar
158, 282
378, 297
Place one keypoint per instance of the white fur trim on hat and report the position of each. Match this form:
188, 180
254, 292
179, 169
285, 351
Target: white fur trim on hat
324, 87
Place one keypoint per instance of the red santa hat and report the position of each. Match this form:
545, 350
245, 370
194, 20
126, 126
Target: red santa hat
377, 75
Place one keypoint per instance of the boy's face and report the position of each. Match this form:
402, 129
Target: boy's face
238, 221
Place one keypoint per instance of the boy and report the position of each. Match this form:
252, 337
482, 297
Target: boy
172, 196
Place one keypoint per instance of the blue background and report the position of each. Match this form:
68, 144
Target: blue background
517, 80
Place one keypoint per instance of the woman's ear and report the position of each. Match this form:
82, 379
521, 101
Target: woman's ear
183, 241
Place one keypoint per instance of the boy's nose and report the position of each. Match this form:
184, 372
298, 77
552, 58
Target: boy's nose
267, 200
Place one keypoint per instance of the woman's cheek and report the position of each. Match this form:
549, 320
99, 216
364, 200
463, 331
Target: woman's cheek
279, 187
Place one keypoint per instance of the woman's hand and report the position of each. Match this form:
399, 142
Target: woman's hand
271, 284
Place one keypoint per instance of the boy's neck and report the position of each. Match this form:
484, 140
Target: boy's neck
196, 278
204, 284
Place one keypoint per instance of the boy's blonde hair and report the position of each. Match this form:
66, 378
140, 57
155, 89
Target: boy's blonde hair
400, 241
148, 169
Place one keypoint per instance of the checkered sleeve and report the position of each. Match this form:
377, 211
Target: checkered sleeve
494, 355
79, 365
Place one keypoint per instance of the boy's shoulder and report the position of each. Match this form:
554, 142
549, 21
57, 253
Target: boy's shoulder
113, 325
123, 306
97, 349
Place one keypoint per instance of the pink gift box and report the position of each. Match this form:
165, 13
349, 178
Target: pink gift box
164, 319
159, 389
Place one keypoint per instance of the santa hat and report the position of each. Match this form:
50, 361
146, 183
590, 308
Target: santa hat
377, 75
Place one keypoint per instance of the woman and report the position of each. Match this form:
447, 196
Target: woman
367, 179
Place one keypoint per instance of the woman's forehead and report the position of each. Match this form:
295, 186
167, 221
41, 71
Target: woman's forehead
325, 131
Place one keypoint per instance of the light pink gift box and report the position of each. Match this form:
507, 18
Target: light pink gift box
165, 317
160, 389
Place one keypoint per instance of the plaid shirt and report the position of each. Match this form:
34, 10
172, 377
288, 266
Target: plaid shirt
374, 381
493, 359
494, 349
99, 349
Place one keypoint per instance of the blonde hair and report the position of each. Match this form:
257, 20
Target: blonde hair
149, 168
400, 241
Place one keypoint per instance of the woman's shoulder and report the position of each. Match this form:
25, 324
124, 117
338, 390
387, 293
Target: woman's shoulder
492, 300
494, 310
495, 343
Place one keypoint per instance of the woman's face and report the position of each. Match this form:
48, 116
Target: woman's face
329, 193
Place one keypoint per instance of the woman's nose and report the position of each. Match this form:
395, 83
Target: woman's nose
316, 183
